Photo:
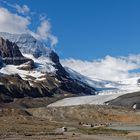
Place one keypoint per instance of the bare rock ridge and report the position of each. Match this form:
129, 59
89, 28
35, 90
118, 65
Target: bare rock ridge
131, 100
45, 85
1, 63
60, 70
10, 53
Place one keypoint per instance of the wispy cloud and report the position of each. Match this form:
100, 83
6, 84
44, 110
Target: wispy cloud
19, 22
22, 9
109, 68
43, 32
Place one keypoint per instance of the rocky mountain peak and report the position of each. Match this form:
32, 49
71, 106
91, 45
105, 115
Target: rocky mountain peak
28, 44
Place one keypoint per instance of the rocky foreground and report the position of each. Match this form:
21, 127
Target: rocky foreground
22, 120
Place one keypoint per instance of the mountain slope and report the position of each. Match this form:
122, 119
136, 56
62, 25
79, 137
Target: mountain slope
104, 87
128, 100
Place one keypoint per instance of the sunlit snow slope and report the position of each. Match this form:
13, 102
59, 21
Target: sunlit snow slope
108, 87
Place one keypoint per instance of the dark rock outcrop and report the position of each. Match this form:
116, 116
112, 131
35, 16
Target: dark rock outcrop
1, 63
10, 53
9, 49
131, 100
60, 70
15, 87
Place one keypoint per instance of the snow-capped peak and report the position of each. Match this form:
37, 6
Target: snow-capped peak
27, 44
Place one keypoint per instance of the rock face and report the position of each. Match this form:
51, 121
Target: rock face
131, 100
60, 70
13, 86
9, 49
27, 79
1, 63
10, 53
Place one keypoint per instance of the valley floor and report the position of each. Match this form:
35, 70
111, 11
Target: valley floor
84, 122
77, 136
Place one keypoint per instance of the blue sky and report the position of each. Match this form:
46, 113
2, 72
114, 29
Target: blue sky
97, 38
89, 29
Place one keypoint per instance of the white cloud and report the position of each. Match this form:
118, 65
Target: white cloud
15, 23
44, 32
109, 68
54, 40
44, 29
12, 23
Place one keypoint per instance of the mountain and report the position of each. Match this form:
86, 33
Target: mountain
31, 70
35, 49
28, 44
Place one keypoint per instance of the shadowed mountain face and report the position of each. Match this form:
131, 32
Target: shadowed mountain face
10, 53
21, 76
9, 49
